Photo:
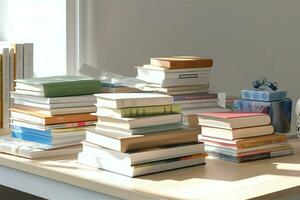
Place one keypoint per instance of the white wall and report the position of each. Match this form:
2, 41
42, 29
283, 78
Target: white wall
246, 39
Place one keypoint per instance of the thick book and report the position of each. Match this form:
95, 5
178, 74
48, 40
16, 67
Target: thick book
19, 60
33, 150
246, 142
263, 95
46, 119
54, 100
57, 111
232, 134
28, 60
138, 111
142, 169
139, 122
60, 86
259, 156
179, 62
138, 131
126, 143
47, 140
126, 100
233, 120
145, 155
279, 111
194, 97
203, 88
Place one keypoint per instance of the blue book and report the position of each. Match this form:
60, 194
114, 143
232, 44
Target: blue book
279, 111
46, 133
31, 137
263, 95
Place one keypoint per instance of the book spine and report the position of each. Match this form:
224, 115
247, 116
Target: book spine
151, 110
263, 95
194, 97
250, 144
19, 51
28, 60
31, 137
5, 88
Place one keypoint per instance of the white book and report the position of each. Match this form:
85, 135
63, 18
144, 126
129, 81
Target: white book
33, 150
131, 123
143, 156
53, 106
191, 111
19, 51
5, 87
199, 105
138, 170
152, 67
28, 60
54, 100
125, 100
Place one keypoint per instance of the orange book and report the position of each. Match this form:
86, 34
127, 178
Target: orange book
181, 62
42, 118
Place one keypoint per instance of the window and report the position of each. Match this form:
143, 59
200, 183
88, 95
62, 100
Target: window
44, 24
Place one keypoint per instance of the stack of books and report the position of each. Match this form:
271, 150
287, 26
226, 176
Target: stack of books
186, 79
241, 137
16, 62
117, 88
140, 133
53, 111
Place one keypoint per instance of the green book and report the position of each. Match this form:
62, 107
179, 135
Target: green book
58, 86
139, 111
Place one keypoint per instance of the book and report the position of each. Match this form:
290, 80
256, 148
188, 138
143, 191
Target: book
55, 106
119, 89
233, 120
253, 157
138, 131
54, 100
199, 104
166, 70
142, 169
126, 100
46, 119
187, 92
246, 142
197, 111
57, 111
33, 150
231, 134
201, 87
279, 111
193, 97
126, 143
19, 60
59, 86
72, 140
180, 62
143, 156
5, 87
52, 133
138, 111
42, 127
263, 95
28, 60
130, 123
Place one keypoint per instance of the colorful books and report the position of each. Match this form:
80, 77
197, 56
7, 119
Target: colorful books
264, 95
127, 100
58, 86
179, 62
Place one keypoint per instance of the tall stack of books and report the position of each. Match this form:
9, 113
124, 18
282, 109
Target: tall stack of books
241, 137
140, 133
186, 79
53, 111
16, 62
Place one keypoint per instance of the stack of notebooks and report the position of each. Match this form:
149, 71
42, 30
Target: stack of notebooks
140, 133
52, 111
186, 79
241, 137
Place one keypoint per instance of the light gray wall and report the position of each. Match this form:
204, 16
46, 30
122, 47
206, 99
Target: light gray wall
246, 39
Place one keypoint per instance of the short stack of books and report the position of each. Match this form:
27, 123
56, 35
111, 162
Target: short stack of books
187, 79
140, 133
53, 111
241, 137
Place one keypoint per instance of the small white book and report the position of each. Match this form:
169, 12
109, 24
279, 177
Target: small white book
125, 100
54, 106
33, 150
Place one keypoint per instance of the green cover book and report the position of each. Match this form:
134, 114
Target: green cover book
60, 86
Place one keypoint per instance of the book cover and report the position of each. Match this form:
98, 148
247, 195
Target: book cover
60, 86
179, 62
279, 111
263, 95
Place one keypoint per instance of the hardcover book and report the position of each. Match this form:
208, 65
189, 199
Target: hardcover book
263, 95
180, 62
279, 111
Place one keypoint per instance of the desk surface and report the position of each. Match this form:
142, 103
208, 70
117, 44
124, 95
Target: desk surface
216, 179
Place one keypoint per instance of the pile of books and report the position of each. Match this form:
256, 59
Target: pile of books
16, 62
241, 137
53, 112
117, 88
140, 133
186, 79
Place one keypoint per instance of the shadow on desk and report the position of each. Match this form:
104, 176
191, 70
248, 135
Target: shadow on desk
12, 194
289, 194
